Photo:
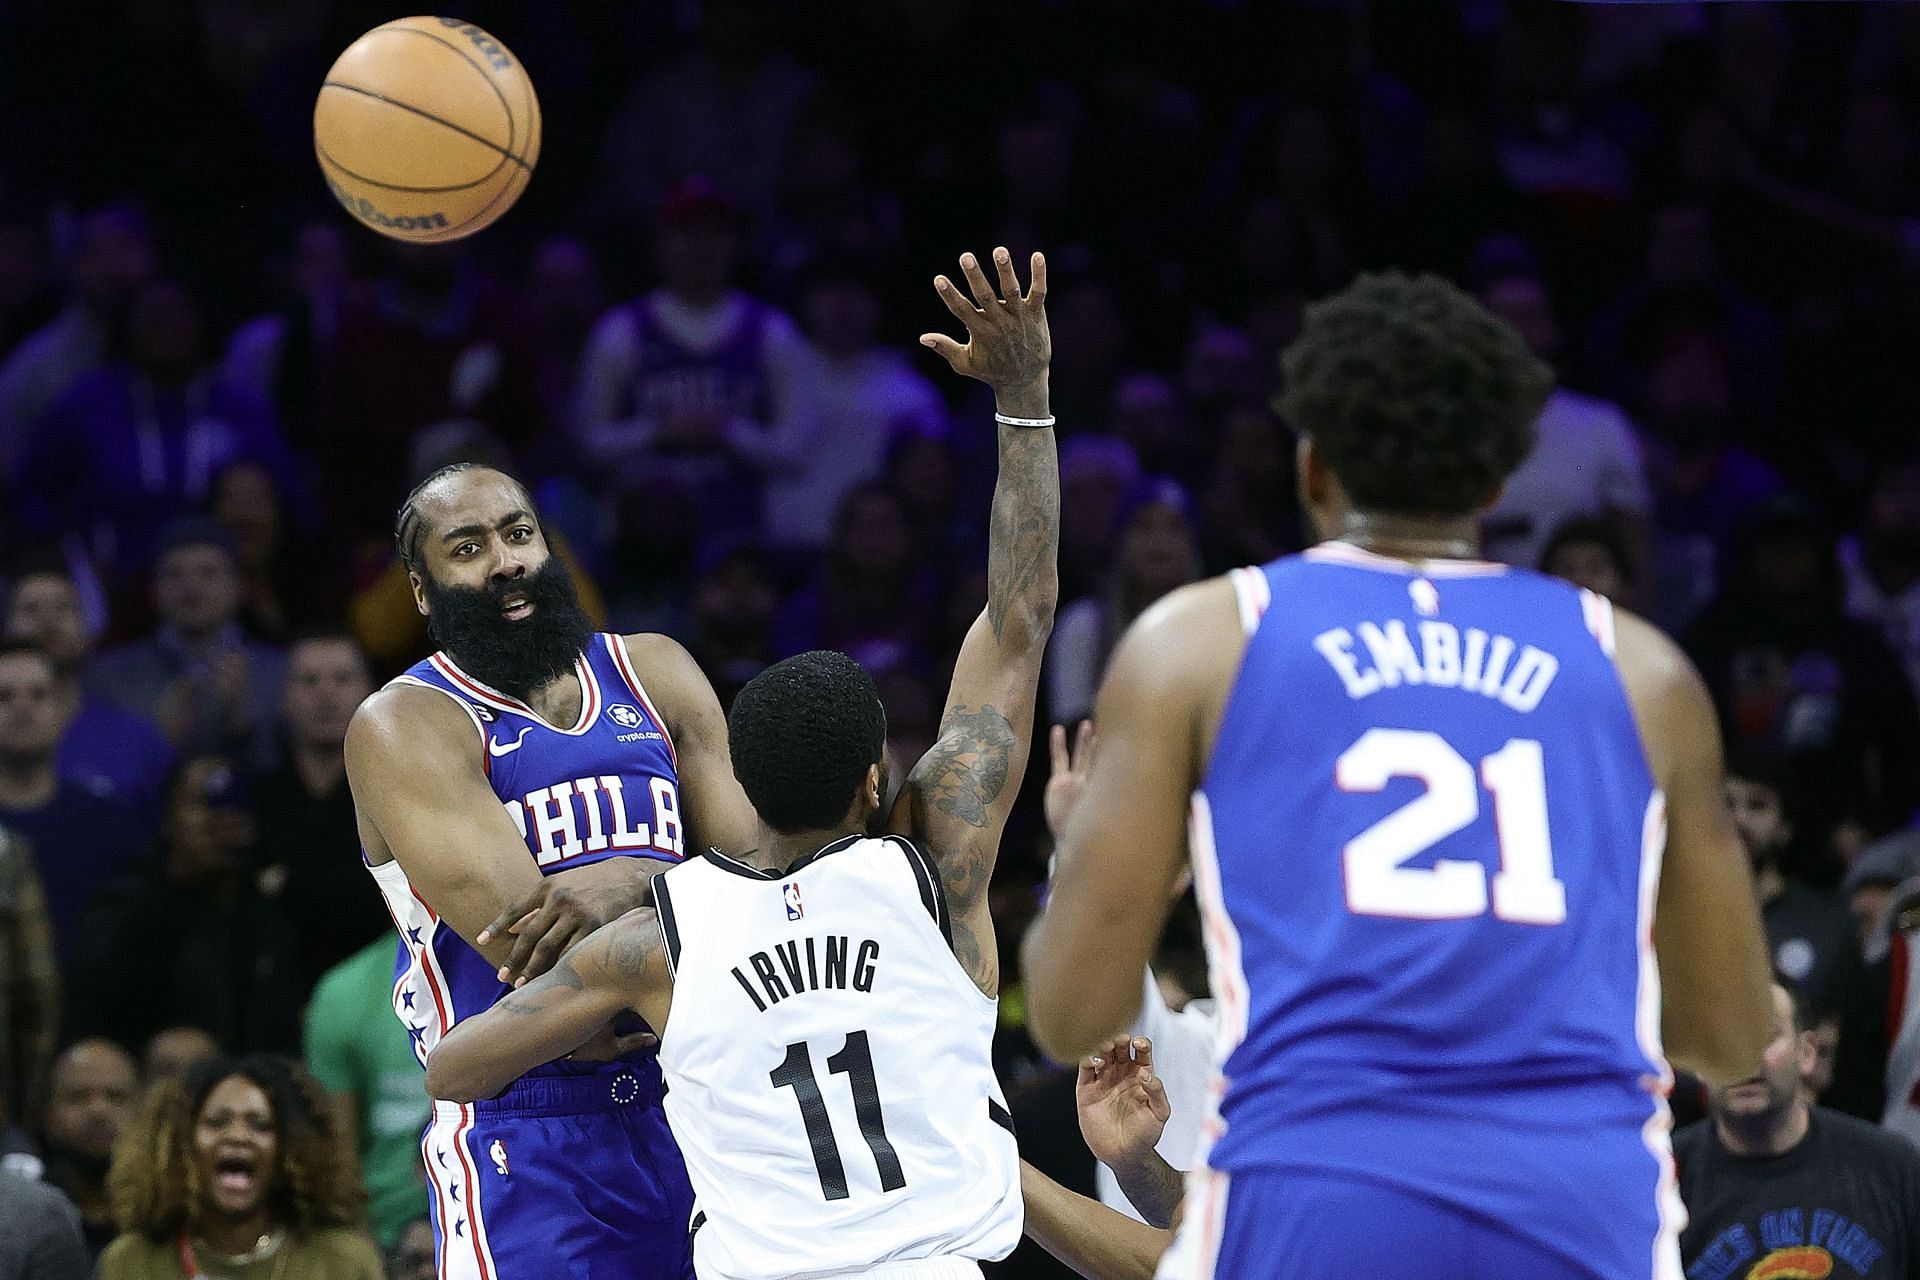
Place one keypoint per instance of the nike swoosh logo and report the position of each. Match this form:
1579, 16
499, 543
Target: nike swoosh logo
508, 748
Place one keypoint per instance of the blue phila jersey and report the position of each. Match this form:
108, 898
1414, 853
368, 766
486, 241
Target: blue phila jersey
602, 787
1426, 848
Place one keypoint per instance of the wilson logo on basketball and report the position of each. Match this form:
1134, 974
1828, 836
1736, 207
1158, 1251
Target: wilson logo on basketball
1806, 1262
489, 47
365, 210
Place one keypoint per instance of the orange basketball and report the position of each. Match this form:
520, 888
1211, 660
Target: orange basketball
427, 129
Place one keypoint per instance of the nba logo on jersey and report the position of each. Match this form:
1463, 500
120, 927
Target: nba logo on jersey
791, 892
499, 1153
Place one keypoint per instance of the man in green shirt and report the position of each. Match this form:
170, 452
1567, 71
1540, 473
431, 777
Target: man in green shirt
361, 1054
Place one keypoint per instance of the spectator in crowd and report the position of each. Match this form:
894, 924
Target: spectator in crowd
362, 1055
1590, 552
1776, 1186
91, 1099
436, 340
1096, 475
725, 106
131, 447
1147, 412
26, 286
873, 588
926, 467
698, 385
79, 838
564, 297
1872, 881
734, 600
198, 677
1810, 933
104, 748
1790, 672
237, 1169
39, 1233
281, 356
195, 939
866, 392
1704, 482
112, 260
172, 1050
1157, 551
283, 586
29, 984
1882, 561
1248, 511
308, 841
1585, 459
412, 1257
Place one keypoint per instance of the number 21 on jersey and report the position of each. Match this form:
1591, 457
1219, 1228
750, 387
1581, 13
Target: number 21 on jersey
1524, 890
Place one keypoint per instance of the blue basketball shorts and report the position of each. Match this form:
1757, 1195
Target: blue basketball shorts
1290, 1225
569, 1173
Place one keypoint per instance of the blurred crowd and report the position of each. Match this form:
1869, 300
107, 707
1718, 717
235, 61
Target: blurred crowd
695, 339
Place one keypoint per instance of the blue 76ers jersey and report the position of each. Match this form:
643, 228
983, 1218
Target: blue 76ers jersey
1427, 847
603, 787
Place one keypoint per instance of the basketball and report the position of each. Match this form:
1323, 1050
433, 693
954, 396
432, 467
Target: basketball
427, 129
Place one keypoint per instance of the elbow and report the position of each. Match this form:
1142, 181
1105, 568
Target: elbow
1719, 1066
1028, 624
1067, 1025
446, 1083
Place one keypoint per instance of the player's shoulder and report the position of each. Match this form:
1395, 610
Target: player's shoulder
401, 715
1651, 663
1189, 639
654, 651
1210, 602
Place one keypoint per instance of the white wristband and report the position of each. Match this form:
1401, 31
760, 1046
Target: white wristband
1005, 421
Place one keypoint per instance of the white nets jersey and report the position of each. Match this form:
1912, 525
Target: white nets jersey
829, 1067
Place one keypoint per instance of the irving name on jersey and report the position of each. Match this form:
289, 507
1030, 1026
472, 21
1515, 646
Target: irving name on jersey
807, 964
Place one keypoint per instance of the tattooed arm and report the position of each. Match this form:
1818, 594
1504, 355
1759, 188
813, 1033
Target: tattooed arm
956, 799
618, 967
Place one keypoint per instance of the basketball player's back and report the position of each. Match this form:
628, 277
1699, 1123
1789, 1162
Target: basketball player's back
1426, 803
1430, 838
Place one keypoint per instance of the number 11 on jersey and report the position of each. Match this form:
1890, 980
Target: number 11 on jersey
854, 1061
1524, 890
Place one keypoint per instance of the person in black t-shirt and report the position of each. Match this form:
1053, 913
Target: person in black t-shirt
1776, 1187
1811, 936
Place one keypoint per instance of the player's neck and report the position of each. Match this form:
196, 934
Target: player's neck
1411, 537
776, 850
1769, 1135
26, 782
558, 700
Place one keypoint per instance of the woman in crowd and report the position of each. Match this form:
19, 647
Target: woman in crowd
236, 1172
1157, 550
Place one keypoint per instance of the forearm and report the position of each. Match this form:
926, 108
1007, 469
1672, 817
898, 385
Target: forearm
1152, 1186
1023, 540
546, 1019
1097, 1242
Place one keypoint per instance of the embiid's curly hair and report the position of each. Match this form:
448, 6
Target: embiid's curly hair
155, 1185
1421, 400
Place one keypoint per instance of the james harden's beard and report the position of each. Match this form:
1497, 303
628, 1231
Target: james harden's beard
513, 657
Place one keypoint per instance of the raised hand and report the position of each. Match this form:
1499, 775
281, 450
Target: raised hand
1122, 1104
1009, 346
1069, 776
